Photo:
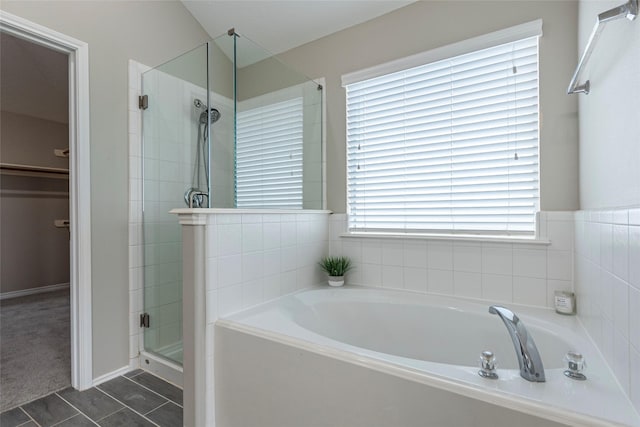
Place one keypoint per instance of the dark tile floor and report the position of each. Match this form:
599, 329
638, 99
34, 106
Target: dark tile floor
135, 399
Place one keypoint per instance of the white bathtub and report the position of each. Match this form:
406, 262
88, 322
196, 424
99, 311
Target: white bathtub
428, 341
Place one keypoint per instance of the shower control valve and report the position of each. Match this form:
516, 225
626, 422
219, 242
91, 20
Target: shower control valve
488, 365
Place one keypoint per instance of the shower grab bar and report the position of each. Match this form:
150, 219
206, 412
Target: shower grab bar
628, 10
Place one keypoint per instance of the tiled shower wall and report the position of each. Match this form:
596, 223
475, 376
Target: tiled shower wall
607, 283
515, 272
254, 257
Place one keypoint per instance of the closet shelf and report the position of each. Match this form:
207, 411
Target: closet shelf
33, 171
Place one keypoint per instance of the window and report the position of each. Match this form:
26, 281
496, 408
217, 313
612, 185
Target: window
269, 156
450, 146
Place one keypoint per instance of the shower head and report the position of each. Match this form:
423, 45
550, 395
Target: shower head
215, 116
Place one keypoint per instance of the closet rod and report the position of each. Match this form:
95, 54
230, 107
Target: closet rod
36, 171
628, 10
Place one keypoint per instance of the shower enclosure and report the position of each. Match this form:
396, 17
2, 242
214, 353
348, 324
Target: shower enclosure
225, 125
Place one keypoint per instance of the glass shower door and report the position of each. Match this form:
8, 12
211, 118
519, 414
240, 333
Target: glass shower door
171, 145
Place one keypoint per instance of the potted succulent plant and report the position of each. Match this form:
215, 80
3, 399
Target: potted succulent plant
336, 268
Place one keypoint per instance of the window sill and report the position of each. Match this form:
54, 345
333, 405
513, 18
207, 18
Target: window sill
450, 237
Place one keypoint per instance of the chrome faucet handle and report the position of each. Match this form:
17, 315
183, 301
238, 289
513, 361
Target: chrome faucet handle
488, 365
575, 365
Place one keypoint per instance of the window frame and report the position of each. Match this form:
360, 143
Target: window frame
509, 35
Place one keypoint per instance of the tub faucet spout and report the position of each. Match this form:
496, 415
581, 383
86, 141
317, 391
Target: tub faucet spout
531, 368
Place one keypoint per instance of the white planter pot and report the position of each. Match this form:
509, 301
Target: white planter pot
336, 280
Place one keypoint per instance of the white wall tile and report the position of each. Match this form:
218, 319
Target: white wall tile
251, 266
608, 283
252, 293
496, 287
288, 234
271, 262
606, 246
440, 255
288, 258
302, 232
532, 263
634, 377
229, 270
621, 307
634, 256
270, 235
251, 237
607, 339
371, 251
497, 259
212, 273
440, 281
415, 279
392, 276
467, 284
211, 306
634, 317
559, 265
371, 274
415, 254
229, 300
229, 239
467, 258
272, 286
392, 253
530, 291
621, 360
621, 251
352, 248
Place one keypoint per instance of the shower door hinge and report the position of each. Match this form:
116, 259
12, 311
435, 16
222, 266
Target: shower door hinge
144, 320
143, 102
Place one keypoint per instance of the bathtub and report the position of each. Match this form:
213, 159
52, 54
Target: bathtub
361, 356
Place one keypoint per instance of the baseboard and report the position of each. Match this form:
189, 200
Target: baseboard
168, 371
111, 375
33, 291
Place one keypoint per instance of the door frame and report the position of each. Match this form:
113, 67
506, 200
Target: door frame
79, 186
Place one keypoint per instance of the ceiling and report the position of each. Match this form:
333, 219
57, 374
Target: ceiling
278, 25
33, 80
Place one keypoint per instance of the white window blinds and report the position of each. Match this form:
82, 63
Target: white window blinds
450, 146
269, 156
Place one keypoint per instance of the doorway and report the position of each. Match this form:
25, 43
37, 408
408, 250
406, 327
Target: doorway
78, 219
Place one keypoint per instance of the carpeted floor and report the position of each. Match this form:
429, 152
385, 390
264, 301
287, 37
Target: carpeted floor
35, 354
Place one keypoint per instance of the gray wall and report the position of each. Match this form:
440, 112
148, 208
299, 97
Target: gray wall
610, 114
34, 252
425, 25
150, 33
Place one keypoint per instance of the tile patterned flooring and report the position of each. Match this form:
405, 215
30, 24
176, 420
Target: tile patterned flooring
137, 399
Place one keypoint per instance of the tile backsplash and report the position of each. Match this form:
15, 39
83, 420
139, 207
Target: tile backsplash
607, 284
516, 272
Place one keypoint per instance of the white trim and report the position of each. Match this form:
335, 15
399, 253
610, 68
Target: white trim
33, 291
447, 237
198, 216
79, 186
163, 368
111, 375
511, 34
323, 82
